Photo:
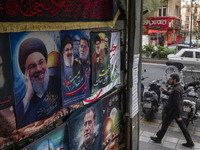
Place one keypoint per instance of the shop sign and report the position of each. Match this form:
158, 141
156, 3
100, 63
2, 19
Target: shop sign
155, 22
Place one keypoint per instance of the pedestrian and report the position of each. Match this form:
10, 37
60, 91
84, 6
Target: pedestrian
174, 109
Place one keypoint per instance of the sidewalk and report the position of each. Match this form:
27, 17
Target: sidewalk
173, 139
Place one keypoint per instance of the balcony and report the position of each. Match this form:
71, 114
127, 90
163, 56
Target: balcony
187, 22
187, 14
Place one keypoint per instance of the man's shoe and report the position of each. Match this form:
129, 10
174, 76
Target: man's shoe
156, 139
188, 144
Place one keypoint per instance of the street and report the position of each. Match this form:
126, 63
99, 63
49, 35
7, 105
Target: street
174, 137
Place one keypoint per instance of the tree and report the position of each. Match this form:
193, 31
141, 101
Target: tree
151, 6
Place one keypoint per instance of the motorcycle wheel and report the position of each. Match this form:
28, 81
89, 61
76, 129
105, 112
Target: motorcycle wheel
186, 121
148, 114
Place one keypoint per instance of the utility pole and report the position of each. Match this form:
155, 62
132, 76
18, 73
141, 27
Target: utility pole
191, 25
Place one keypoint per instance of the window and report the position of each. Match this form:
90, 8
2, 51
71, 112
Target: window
187, 26
187, 54
197, 54
162, 11
187, 18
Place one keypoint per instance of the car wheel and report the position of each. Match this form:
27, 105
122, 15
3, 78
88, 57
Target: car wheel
179, 66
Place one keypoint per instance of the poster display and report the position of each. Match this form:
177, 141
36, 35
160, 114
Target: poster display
85, 128
36, 67
113, 69
113, 129
54, 140
6, 74
75, 66
100, 56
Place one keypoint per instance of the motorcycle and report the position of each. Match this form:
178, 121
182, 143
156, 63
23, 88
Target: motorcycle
190, 103
151, 99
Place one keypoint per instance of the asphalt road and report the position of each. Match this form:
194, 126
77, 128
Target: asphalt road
153, 72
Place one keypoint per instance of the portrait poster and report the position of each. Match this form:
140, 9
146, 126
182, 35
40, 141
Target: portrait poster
100, 56
113, 127
115, 67
85, 128
54, 140
7, 126
6, 74
36, 68
75, 66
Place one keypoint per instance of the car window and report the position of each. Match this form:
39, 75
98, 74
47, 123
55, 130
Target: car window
197, 54
187, 54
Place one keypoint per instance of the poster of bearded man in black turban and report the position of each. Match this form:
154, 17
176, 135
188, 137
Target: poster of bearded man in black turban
36, 63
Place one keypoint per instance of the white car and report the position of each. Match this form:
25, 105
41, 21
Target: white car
185, 57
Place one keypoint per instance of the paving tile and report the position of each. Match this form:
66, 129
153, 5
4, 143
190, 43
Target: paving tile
181, 147
171, 139
197, 145
147, 134
169, 145
197, 129
144, 139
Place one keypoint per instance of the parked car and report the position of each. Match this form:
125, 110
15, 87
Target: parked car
184, 57
192, 41
178, 47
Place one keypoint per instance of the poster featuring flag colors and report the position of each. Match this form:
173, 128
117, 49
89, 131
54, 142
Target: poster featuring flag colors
85, 128
75, 66
6, 74
115, 65
55, 140
113, 128
100, 59
36, 67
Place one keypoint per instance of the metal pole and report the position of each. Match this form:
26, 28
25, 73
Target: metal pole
191, 25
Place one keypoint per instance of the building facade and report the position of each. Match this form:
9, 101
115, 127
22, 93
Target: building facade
186, 18
163, 27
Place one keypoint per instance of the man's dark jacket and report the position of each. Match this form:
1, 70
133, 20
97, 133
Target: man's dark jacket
175, 102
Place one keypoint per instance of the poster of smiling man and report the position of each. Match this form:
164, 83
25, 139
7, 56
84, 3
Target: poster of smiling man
100, 49
75, 66
36, 67
85, 128
6, 74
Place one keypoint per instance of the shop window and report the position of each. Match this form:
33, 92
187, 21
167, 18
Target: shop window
162, 11
197, 54
187, 54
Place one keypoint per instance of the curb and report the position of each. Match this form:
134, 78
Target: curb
154, 60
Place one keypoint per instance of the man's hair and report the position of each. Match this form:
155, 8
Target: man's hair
28, 47
97, 38
66, 40
85, 39
175, 76
90, 109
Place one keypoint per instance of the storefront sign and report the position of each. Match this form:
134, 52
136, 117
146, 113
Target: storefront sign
162, 23
156, 22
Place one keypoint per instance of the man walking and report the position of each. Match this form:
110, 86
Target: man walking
174, 110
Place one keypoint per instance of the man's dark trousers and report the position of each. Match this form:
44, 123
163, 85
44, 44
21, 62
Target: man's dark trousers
166, 122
